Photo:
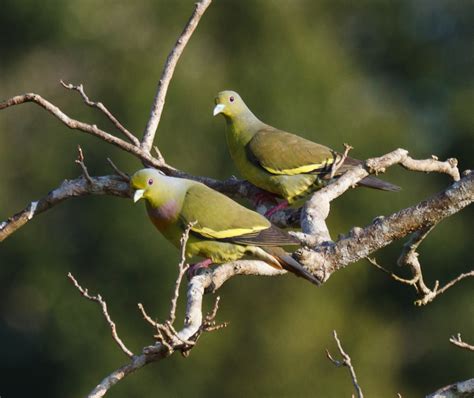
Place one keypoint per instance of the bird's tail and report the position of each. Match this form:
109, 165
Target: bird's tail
377, 183
290, 264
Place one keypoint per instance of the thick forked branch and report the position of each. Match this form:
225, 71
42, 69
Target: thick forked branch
324, 259
172, 60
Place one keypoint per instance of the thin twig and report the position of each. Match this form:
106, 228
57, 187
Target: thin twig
409, 257
146, 316
338, 163
158, 154
457, 341
98, 299
346, 361
81, 163
85, 127
101, 107
410, 282
428, 295
182, 267
454, 281
209, 324
119, 172
166, 334
167, 74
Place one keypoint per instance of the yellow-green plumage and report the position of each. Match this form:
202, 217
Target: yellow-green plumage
274, 160
223, 230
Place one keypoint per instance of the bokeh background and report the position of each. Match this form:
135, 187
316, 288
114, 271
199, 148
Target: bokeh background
376, 74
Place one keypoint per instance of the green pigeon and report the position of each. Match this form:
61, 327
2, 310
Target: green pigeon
278, 162
223, 230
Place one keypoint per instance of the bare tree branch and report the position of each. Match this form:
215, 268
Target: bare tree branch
321, 255
232, 186
454, 281
81, 162
338, 163
76, 124
167, 74
99, 105
194, 322
326, 257
119, 172
182, 267
457, 341
346, 361
461, 389
317, 208
426, 295
103, 185
99, 300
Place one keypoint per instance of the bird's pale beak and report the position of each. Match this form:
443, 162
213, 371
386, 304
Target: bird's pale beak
138, 195
218, 109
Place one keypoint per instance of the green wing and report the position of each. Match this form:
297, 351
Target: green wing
217, 216
279, 152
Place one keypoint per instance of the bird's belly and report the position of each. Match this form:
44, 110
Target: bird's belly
218, 252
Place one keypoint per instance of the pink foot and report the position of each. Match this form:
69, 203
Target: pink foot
263, 197
273, 210
194, 268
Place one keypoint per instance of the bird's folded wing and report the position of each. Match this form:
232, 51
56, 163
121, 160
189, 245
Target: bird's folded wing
217, 216
280, 152
270, 237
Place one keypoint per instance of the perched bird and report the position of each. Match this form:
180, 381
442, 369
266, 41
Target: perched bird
223, 230
282, 163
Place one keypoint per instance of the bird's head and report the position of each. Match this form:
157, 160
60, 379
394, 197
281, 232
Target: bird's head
146, 184
229, 104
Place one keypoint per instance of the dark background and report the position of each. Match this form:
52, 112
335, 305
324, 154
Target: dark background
376, 74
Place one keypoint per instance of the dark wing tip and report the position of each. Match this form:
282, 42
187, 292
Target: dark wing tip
377, 183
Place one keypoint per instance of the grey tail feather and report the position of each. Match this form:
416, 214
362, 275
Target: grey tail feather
290, 264
377, 183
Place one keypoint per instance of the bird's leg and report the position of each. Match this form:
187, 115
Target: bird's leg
194, 268
263, 197
282, 205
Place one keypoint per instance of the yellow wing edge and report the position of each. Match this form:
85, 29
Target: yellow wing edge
228, 233
300, 170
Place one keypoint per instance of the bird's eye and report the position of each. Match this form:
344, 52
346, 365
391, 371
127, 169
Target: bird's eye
150, 181
231, 99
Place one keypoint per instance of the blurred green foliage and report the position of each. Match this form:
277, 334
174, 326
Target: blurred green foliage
376, 74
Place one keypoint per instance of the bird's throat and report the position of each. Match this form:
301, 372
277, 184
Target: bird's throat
163, 215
